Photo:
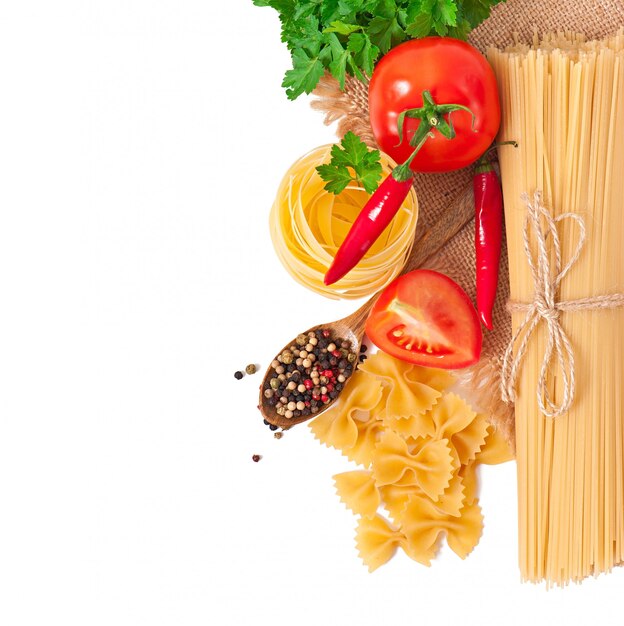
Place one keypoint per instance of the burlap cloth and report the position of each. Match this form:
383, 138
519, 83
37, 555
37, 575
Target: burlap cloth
515, 19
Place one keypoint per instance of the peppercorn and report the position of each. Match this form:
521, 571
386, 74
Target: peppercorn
352, 357
362, 358
265, 422
278, 435
251, 369
363, 348
301, 340
255, 458
287, 357
273, 427
238, 375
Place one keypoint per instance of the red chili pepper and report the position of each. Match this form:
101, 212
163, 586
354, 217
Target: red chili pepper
488, 198
488, 236
377, 213
383, 205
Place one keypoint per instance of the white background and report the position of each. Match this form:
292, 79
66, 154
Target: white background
141, 144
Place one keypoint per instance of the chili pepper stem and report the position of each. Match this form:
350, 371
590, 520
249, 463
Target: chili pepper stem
483, 164
403, 172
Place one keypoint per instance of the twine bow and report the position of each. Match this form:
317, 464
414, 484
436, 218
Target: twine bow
546, 308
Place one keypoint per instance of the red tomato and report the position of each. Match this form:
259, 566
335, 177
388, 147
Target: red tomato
454, 73
426, 318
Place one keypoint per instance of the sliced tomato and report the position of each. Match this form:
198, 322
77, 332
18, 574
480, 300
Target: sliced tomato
426, 318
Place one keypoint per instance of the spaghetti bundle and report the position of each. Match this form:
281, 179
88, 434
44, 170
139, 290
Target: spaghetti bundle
308, 224
563, 101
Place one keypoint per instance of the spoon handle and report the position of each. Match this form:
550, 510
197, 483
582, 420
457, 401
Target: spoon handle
454, 217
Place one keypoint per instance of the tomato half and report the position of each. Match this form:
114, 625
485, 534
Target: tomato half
426, 318
454, 73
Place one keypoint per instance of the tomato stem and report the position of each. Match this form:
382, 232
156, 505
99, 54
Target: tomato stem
431, 115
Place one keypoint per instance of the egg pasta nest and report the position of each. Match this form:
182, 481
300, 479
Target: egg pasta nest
419, 446
308, 224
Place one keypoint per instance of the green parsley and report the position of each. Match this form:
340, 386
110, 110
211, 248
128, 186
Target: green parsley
351, 162
348, 36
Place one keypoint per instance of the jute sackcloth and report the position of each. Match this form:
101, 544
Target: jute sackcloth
511, 21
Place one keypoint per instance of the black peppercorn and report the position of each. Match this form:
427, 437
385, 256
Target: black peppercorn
273, 427
363, 348
238, 375
255, 458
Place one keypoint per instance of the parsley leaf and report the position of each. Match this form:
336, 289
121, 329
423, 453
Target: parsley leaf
348, 36
351, 162
304, 75
363, 51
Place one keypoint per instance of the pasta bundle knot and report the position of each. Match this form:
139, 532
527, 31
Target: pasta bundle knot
546, 280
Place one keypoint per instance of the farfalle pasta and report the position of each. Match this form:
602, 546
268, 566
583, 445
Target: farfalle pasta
420, 446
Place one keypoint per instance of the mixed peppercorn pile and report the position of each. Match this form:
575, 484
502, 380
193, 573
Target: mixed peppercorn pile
309, 374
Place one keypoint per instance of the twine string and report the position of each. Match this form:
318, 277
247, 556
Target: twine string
546, 308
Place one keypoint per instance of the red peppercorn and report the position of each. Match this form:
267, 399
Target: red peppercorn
316, 396
336, 353
328, 373
329, 386
326, 334
307, 403
308, 384
325, 398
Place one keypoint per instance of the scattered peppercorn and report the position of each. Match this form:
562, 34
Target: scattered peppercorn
255, 458
251, 369
238, 375
278, 435
363, 348
272, 427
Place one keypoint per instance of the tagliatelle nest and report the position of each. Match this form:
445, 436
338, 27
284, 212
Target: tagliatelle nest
308, 224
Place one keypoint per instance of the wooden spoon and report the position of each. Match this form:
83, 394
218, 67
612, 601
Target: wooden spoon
351, 328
